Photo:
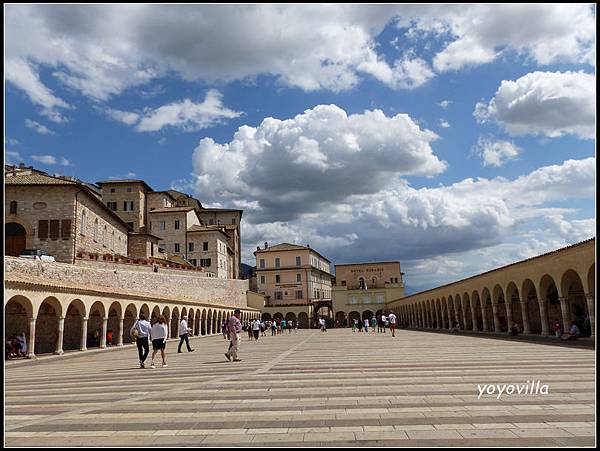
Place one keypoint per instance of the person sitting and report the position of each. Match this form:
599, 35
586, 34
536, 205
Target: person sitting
514, 329
455, 328
556, 327
573, 333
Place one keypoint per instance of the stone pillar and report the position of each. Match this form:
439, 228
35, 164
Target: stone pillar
61, 332
508, 313
456, 315
525, 314
484, 318
496, 319
591, 306
103, 333
437, 315
464, 317
566, 314
31, 343
544, 316
473, 319
449, 317
83, 346
120, 333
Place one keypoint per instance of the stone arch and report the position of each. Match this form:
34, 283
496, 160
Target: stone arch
266, 317
303, 320
17, 314
498, 298
209, 322
145, 310
278, 316
203, 322
513, 299
219, 321
291, 316
95, 323
367, 314
591, 280
468, 311
190, 320
531, 310
572, 288
488, 312
477, 307
352, 316
73, 325
115, 313
46, 325
341, 317
15, 238
129, 318
155, 314
441, 317
548, 294
459, 310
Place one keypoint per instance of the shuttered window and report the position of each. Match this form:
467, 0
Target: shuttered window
65, 231
43, 230
54, 229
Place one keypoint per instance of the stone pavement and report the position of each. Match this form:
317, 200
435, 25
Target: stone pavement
308, 389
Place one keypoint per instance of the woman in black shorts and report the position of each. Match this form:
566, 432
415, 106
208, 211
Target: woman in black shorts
159, 334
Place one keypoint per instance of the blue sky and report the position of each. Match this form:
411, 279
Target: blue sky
362, 159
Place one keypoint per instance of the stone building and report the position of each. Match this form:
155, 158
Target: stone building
362, 290
295, 278
208, 247
127, 198
171, 224
59, 215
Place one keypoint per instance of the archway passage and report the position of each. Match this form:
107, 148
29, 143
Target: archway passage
15, 237
303, 320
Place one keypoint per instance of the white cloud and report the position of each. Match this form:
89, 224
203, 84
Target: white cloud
445, 103
548, 103
64, 162
39, 128
496, 152
12, 157
444, 123
126, 117
10, 141
45, 159
188, 115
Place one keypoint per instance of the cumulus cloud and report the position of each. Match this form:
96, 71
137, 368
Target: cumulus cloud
548, 103
12, 157
294, 165
444, 123
51, 160
38, 128
125, 117
496, 152
445, 103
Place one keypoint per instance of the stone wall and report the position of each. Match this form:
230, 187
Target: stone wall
165, 283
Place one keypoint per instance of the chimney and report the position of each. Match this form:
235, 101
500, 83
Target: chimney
21, 165
266, 245
308, 245
258, 248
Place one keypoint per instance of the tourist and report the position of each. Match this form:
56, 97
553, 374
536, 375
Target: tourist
234, 326
556, 327
385, 321
256, 329
455, 328
573, 333
367, 325
263, 328
354, 325
514, 329
323, 325
283, 325
109, 337
184, 331
360, 325
140, 332
392, 320
224, 329
278, 327
296, 327
249, 329
159, 334
374, 324
273, 328
22, 340
290, 326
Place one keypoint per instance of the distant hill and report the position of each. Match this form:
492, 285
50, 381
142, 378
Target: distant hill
246, 269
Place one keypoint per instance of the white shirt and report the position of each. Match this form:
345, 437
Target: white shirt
143, 326
392, 318
256, 325
183, 327
159, 331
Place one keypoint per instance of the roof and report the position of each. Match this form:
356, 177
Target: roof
40, 179
368, 263
221, 210
171, 209
108, 182
205, 229
289, 247
162, 192
145, 234
178, 195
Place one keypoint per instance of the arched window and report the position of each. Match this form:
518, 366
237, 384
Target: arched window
361, 283
83, 222
13, 207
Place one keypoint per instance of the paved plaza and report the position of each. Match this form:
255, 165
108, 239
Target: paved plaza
308, 388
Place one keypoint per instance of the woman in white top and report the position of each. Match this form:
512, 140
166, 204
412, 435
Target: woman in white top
159, 334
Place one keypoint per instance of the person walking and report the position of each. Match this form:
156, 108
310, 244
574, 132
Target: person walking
140, 332
159, 334
224, 329
354, 325
374, 324
273, 328
234, 326
392, 320
256, 329
184, 331
367, 325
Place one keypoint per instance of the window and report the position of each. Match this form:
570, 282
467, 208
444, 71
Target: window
83, 222
191, 248
176, 247
298, 261
161, 226
278, 295
262, 263
13, 208
128, 205
211, 222
193, 261
129, 189
343, 283
277, 263
96, 230
262, 279
112, 190
298, 277
54, 229
299, 294
177, 224
112, 205
277, 278
233, 221
130, 224
43, 230
205, 262
65, 230
205, 246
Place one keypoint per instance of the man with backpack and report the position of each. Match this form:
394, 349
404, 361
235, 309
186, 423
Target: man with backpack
140, 331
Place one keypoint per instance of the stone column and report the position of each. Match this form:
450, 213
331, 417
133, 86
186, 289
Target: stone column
456, 315
83, 346
484, 318
103, 333
508, 313
61, 332
544, 316
473, 319
566, 314
464, 317
591, 306
525, 315
120, 336
496, 319
31, 343
449, 317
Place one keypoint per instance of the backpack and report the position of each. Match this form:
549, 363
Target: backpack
135, 333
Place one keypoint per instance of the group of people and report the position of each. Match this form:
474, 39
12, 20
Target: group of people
15, 346
378, 324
